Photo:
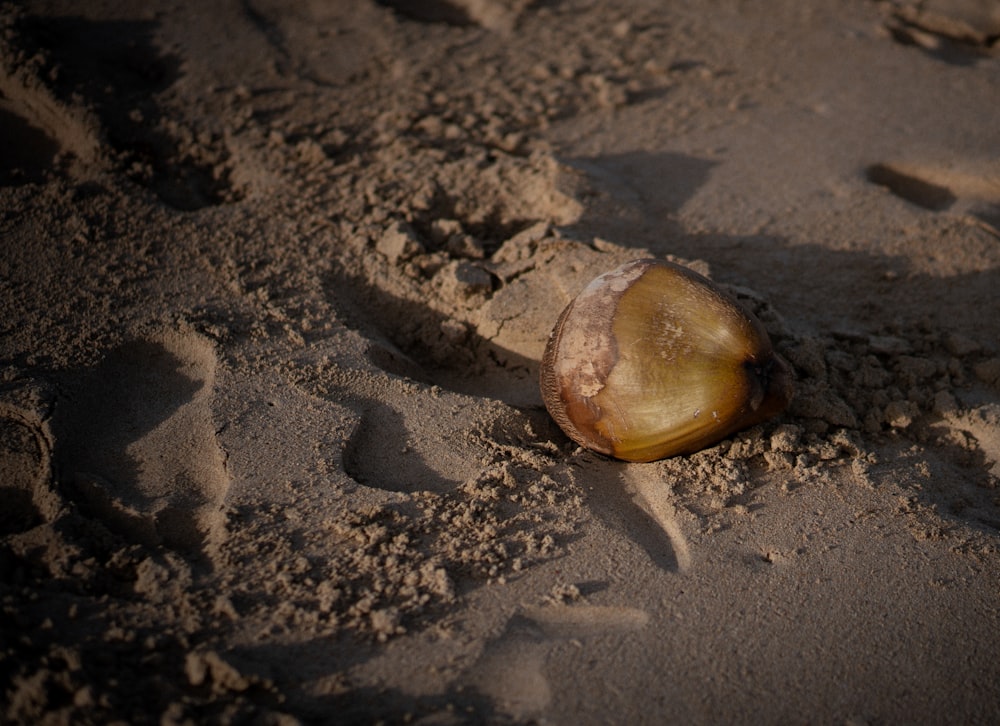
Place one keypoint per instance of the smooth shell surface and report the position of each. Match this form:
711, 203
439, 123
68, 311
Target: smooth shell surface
653, 360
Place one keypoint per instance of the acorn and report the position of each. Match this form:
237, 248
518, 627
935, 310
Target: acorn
653, 360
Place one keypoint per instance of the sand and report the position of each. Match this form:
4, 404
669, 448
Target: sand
275, 279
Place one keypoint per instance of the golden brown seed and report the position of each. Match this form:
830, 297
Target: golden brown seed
653, 360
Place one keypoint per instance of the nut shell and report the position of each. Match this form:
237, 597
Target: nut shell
653, 360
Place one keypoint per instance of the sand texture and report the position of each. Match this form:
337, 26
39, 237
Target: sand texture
275, 281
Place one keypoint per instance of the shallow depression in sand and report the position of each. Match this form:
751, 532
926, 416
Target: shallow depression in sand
29, 152
23, 461
136, 444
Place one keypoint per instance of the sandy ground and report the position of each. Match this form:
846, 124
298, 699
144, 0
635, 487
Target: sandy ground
275, 278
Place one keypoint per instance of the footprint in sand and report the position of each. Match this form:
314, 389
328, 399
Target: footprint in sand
414, 441
511, 670
40, 134
490, 14
954, 31
972, 193
135, 443
24, 472
30, 152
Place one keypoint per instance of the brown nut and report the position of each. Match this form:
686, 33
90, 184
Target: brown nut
653, 360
